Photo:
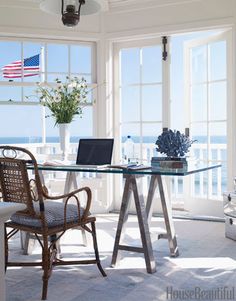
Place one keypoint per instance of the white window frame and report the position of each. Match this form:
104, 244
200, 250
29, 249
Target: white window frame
117, 47
197, 204
32, 84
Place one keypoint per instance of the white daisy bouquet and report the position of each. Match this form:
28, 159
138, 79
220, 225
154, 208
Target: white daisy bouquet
65, 100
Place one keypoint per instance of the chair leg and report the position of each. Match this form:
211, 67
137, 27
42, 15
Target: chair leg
46, 267
6, 249
95, 245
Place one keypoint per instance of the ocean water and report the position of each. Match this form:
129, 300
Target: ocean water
75, 139
24, 140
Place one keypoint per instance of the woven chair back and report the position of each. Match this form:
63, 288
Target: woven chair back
14, 181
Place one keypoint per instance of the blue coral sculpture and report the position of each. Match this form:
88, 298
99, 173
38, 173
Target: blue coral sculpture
173, 143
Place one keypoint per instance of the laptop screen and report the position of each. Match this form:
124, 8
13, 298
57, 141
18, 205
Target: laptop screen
94, 151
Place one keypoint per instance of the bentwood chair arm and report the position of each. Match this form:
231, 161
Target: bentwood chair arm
71, 194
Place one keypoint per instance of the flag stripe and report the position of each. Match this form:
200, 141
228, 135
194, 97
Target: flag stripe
19, 76
15, 69
19, 69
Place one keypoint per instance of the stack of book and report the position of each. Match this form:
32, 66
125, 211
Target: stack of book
165, 162
130, 166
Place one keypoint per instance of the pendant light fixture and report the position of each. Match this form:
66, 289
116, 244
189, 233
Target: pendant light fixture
71, 10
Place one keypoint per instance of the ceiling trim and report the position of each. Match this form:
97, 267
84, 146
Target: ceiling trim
26, 4
147, 3
119, 5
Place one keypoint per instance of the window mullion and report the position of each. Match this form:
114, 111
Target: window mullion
141, 101
166, 89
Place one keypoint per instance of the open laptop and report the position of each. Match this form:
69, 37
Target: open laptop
95, 152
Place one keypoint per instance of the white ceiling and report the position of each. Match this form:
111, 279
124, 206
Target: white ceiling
111, 4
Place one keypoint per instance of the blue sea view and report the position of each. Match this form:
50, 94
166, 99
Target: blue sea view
75, 139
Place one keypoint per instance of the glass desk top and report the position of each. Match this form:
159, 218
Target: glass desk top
137, 170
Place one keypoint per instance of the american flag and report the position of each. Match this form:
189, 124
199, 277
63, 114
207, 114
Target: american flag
16, 70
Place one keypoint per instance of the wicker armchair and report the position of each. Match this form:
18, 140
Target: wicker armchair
43, 217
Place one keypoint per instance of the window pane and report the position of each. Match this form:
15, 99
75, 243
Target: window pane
199, 64
80, 127
62, 77
218, 101
30, 94
30, 50
10, 52
83, 127
52, 130
224, 176
217, 132
218, 149
152, 64
130, 129
130, 66
58, 62
88, 78
10, 93
217, 66
201, 184
20, 124
130, 104
141, 97
152, 103
199, 103
80, 59
199, 132
32, 79
150, 134
52, 77
151, 131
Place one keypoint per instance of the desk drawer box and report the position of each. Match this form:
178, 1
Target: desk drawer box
230, 214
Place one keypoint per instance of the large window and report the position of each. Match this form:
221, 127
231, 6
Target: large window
207, 85
23, 119
140, 93
188, 90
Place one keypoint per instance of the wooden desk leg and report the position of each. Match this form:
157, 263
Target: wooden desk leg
123, 217
167, 212
71, 180
131, 186
144, 229
151, 191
